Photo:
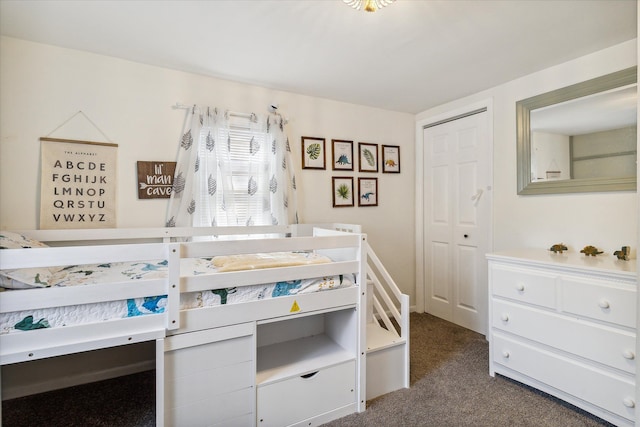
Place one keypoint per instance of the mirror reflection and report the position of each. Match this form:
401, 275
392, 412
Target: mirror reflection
579, 138
589, 137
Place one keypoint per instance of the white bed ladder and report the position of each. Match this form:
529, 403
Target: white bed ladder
387, 331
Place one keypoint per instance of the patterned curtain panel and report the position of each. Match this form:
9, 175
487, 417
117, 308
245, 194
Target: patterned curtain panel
233, 170
280, 180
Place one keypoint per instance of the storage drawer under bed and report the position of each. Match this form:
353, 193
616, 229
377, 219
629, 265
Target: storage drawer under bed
306, 396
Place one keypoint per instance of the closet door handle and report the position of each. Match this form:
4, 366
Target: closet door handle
476, 197
628, 354
629, 402
603, 303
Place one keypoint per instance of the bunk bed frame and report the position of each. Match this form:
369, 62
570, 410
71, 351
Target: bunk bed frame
276, 360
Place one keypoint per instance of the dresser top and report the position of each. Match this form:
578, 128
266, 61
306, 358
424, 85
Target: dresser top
574, 260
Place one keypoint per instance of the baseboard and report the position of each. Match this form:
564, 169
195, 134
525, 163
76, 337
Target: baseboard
12, 392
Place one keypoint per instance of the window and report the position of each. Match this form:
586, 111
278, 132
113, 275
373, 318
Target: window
233, 170
242, 163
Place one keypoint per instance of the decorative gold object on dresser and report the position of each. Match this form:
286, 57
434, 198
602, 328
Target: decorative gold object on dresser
566, 324
623, 253
558, 247
590, 250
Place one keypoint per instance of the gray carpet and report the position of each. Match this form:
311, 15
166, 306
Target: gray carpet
450, 386
126, 401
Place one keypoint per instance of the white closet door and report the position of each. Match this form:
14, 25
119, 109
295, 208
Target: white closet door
457, 210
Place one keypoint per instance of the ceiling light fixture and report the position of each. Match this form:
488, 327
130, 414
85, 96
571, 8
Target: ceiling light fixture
368, 5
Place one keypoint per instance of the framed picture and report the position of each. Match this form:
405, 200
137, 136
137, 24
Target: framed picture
342, 154
342, 191
390, 159
367, 191
313, 155
368, 157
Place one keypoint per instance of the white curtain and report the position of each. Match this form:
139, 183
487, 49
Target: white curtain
280, 178
233, 170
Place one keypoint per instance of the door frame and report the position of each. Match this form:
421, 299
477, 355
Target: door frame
453, 114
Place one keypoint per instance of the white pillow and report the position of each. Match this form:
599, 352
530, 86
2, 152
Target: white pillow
11, 240
18, 279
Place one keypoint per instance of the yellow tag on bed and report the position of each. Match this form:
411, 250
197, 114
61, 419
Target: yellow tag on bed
295, 307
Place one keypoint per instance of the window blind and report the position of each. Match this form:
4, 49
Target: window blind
243, 156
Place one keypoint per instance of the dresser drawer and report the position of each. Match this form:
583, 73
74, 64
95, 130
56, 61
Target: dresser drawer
609, 346
608, 391
530, 286
598, 300
295, 399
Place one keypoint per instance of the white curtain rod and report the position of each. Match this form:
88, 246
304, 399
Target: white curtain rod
272, 108
179, 106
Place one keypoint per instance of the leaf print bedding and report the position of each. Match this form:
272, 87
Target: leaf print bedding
81, 275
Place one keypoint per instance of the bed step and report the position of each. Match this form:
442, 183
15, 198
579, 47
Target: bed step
379, 338
386, 361
387, 331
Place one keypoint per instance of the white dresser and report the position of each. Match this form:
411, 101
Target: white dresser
566, 324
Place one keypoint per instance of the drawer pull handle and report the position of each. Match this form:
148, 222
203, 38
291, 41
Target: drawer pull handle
520, 287
505, 354
309, 375
628, 354
603, 303
629, 402
505, 317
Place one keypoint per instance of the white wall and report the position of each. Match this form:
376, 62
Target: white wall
605, 220
42, 86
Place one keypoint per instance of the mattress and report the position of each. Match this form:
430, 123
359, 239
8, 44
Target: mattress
103, 274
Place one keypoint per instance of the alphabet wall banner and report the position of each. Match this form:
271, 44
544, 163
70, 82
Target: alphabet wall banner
78, 184
155, 179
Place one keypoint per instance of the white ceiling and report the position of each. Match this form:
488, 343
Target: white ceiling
409, 56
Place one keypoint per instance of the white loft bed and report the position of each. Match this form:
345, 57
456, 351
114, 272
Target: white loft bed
272, 352
324, 329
